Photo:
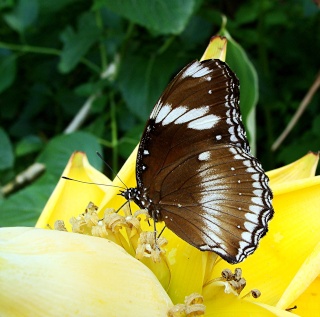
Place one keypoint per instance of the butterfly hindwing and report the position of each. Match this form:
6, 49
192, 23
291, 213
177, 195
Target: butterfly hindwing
224, 199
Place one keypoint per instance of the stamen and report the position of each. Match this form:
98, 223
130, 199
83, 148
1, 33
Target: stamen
238, 286
84, 222
59, 225
150, 248
255, 293
193, 306
113, 220
100, 230
78, 224
227, 274
292, 308
110, 227
233, 283
142, 212
237, 274
90, 215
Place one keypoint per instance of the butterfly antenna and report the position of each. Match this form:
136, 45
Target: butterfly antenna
110, 168
90, 183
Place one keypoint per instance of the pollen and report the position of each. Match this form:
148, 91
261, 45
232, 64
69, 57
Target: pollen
60, 226
85, 221
149, 247
125, 230
100, 230
193, 306
78, 224
232, 282
113, 221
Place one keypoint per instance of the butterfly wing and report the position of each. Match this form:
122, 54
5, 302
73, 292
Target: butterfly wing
195, 168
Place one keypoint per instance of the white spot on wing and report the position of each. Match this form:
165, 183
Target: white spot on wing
174, 114
256, 209
204, 156
252, 217
246, 236
249, 226
257, 200
196, 70
162, 113
155, 110
204, 123
193, 114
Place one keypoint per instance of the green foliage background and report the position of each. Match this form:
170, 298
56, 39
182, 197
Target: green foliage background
112, 59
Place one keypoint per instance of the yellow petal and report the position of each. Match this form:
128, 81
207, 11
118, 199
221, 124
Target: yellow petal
302, 168
187, 267
308, 304
216, 49
277, 311
70, 198
293, 235
127, 176
225, 305
308, 272
53, 273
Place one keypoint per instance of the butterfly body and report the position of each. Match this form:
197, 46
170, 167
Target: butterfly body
194, 168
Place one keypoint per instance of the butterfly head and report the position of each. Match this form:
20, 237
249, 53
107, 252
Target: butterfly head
129, 193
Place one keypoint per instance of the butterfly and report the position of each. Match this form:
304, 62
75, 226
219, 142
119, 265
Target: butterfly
194, 168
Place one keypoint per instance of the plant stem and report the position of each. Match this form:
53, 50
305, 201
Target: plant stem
102, 48
45, 50
114, 133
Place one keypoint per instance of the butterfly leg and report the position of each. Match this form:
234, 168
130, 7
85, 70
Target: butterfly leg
155, 230
127, 202
159, 235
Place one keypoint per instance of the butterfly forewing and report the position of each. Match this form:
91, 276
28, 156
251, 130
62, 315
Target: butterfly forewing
194, 167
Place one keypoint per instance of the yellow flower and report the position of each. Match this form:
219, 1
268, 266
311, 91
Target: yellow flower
92, 272
95, 273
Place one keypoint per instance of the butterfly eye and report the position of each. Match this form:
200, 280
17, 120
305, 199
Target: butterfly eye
194, 168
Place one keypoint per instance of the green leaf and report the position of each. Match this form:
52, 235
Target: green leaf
163, 17
58, 151
51, 7
77, 44
24, 207
29, 144
7, 71
130, 140
6, 152
23, 15
239, 62
308, 141
316, 125
4, 4
142, 81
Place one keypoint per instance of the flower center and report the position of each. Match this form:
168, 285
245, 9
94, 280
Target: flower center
124, 230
